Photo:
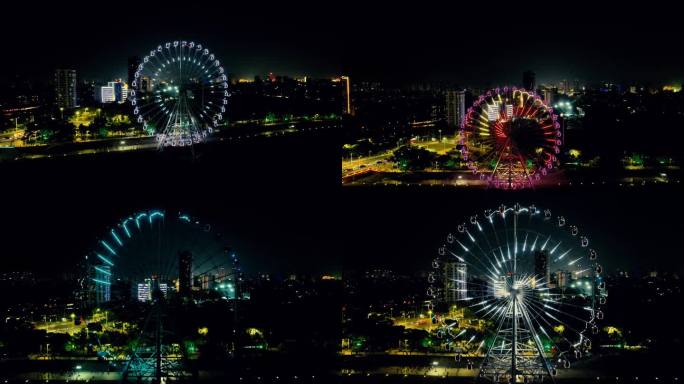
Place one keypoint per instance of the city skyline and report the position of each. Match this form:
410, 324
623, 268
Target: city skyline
344, 192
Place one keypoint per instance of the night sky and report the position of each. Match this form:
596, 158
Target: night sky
465, 43
281, 220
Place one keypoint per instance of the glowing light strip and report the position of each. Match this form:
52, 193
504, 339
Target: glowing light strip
116, 238
563, 254
155, 214
102, 282
462, 246
574, 261
104, 259
128, 233
103, 271
470, 236
109, 248
457, 256
137, 219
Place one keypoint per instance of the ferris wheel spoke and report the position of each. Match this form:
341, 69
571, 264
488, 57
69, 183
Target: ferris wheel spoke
484, 253
569, 342
463, 259
545, 304
543, 314
483, 267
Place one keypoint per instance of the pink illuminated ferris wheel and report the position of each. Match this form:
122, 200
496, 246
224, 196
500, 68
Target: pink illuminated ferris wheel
510, 138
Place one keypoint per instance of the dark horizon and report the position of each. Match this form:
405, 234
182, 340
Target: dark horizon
439, 43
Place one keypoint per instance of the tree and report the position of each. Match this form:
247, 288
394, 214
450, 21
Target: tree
47, 130
413, 159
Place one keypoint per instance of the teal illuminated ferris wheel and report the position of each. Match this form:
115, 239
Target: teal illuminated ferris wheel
163, 263
154, 250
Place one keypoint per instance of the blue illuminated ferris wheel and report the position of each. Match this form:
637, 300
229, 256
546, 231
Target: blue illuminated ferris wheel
180, 93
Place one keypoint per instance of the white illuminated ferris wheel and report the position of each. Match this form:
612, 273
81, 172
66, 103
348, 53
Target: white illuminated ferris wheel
180, 93
529, 280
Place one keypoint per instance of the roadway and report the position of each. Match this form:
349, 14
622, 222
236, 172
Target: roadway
67, 325
380, 162
137, 143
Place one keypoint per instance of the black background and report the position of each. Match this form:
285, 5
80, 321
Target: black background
280, 201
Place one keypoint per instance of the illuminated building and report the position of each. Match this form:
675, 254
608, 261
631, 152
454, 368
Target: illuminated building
563, 279
107, 94
461, 281
103, 286
509, 111
529, 80
455, 107
347, 95
145, 291
205, 282
65, 88
542, 268
133, 63
493, 112
120, 90
455, 277
145, 84
185, 273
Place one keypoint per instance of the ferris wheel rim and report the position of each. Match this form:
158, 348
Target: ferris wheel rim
184, 123
554, 221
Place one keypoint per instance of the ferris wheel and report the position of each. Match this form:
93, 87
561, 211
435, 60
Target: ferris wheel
510, 138
152, 260
519, 287
159, 250
180, 93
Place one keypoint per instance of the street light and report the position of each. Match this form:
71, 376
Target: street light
61, 111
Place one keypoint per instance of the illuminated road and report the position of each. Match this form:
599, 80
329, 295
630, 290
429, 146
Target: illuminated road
66, 325
17, 151
380, 162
